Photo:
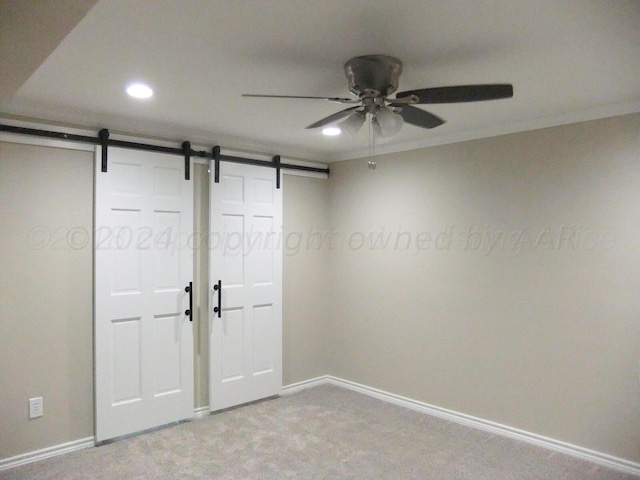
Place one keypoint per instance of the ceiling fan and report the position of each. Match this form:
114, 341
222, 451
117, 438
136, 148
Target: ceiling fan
373, 78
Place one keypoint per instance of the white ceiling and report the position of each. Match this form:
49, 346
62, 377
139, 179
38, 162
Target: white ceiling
568, 60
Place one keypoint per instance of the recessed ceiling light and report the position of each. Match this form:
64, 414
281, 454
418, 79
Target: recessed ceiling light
139, 90
331, 131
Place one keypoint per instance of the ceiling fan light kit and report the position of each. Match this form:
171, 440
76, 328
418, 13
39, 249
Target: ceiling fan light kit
372, 78
353, 123
390, 123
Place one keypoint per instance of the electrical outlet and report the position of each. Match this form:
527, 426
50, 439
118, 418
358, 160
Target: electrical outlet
36, 407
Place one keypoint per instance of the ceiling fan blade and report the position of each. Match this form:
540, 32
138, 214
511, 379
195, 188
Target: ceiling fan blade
461, 93
419, 118
333, 118
331, 99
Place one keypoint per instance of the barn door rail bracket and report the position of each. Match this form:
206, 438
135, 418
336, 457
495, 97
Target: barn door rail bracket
215, 154
276, 165
103, 135
186, 151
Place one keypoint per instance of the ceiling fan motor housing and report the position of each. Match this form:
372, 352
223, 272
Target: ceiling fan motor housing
373, 75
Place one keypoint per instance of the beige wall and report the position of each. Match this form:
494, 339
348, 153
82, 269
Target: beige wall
541, 336
305, 278
46, 312
201, 284
540, 332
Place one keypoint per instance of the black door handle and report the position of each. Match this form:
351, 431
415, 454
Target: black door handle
218, 309
189, 290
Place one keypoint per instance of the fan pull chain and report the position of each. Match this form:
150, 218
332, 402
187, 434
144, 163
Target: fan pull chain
372, 145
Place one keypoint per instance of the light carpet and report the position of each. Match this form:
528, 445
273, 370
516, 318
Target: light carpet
325, 432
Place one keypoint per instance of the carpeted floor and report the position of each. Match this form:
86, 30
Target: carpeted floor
322, 433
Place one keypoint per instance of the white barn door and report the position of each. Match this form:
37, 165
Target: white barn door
143, 262
246, 258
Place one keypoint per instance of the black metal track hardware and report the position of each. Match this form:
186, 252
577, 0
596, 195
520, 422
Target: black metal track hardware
186, 148
47, 134
276, 163
103, 135
189, 290
215, 153
104, 140
218, 309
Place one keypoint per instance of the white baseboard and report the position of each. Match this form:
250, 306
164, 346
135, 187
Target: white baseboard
201, 412
593, 456
46, 453
68, 447
300, 386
